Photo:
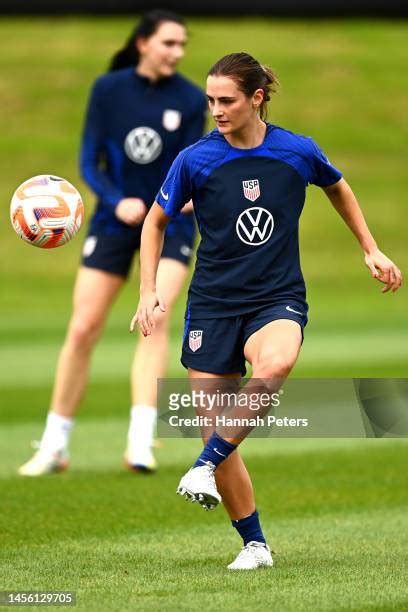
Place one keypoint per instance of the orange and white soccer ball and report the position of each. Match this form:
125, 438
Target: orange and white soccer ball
46, 211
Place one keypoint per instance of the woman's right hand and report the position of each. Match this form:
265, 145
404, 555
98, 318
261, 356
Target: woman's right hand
144, 315
131, 211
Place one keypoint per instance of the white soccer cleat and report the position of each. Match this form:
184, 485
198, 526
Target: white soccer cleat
198, 485
252, 556
140, 460
45, 462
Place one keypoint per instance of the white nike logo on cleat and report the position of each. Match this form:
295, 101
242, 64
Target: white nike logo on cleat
165, 195
293, 310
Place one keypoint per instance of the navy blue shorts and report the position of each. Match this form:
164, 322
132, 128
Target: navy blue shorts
217, 345
115, 253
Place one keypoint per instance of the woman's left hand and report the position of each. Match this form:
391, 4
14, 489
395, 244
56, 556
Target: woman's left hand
384, 270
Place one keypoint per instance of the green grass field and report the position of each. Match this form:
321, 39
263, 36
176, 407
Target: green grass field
128, 543
334, 510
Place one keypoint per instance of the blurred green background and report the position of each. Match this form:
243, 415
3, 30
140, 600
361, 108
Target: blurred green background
336, 509
343, 82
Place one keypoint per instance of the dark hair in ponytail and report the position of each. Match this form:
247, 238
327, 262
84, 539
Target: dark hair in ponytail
147, 26
249, 75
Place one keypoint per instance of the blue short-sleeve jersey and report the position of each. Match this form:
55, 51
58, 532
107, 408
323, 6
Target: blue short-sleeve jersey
134, 128
248, 203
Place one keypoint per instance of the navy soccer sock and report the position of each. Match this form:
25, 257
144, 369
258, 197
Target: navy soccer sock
249, 528
216, 450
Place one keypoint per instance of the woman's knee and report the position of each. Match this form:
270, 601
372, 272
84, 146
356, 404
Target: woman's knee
270, 367
162, 320
84, 331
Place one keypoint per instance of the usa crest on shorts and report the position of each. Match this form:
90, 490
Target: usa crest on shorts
89, 246
171, 120
195, 339
252, 190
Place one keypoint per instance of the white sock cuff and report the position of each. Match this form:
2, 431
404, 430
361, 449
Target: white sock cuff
141, 411
57, 432
58, 420
142, 425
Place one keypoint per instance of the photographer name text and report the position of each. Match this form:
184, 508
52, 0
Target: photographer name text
223, 421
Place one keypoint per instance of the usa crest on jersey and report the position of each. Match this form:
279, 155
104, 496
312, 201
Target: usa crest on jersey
252, 190
171, 120
195, 339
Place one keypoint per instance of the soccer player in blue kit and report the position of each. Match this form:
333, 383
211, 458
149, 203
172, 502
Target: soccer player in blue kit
140, 115
247, 298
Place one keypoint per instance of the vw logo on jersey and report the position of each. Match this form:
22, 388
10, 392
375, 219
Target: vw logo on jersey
143, 145
254, 226
252, 190
171, 120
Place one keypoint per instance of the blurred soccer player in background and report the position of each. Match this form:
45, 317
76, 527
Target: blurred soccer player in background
140, 115
247, 298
